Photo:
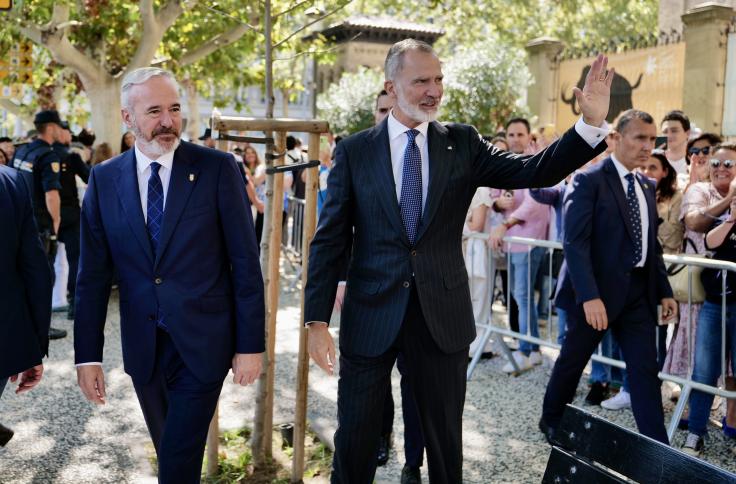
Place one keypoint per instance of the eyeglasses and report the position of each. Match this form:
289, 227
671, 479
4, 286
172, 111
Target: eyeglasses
715, 163
696, 151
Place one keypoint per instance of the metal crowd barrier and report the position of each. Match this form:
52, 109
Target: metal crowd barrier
489, 328
291, 245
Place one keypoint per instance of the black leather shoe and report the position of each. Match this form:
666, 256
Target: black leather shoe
55, 333
549, 432
598, 392
70, 313
384, 448
5, 435
411, 475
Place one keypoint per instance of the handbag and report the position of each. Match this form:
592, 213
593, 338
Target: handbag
678, 277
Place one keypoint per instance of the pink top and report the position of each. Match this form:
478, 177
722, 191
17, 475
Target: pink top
534, 217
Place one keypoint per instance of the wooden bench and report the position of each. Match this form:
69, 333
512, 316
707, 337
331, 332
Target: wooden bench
589, 449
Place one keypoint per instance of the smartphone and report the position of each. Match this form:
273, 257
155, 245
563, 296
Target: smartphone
660, 142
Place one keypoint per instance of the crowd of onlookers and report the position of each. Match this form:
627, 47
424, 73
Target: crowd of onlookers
695, 173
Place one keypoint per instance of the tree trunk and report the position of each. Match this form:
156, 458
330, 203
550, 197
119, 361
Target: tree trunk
106, 119
285, 101
257, 441
193, 128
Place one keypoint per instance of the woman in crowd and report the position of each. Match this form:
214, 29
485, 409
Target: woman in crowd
709, 333
702, 204
258, 169
476, 261
103, 152
127, 141
669, 201
699, 151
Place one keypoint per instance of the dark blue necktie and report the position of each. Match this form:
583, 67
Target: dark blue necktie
411, 187
155, 212
634, 216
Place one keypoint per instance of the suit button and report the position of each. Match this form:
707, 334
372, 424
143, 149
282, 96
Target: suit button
151, 317
158, 281
406, 284
414, 253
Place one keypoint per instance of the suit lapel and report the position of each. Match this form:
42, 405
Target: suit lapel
380, 168
183, 178
614, 183
129, 194
441, 153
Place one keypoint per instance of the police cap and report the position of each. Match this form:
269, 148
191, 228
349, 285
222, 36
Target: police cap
47, 116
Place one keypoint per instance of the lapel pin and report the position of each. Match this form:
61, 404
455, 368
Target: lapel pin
449, 148
191, 177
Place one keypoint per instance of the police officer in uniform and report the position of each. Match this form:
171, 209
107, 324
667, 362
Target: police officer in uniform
72, 167
41, 168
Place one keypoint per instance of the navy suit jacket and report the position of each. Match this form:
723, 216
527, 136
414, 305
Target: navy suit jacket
25, 280
599, 243
361, 208
205, 278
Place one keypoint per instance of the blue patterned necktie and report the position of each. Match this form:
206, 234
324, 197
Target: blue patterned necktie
411, 187
155, 209
634, 216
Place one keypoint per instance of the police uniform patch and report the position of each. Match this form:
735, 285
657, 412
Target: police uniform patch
55, 166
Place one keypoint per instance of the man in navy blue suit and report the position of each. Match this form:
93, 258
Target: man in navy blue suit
399, 194
613, 276
173, 220
25, 290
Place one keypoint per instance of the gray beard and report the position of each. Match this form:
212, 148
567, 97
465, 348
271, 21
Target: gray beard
152, 147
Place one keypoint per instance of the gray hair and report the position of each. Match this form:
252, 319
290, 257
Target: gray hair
395, 57
140, 76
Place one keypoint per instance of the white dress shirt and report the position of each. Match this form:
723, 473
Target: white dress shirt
643, 207
143, 169
398, 140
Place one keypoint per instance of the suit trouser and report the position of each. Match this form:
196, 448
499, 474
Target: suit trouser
178, 409
437, 382
634, 330
413, 440
69, 235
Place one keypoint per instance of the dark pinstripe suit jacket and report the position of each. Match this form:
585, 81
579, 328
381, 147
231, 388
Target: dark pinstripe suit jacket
361, 208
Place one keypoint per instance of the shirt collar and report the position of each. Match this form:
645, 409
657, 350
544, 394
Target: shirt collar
620, 168
142, 161
396, 128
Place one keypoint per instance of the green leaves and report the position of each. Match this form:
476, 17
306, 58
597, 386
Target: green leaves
348, 104
484, 90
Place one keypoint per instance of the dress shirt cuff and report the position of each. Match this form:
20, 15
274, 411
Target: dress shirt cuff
89, 363
591, 134
341, 283
309, 323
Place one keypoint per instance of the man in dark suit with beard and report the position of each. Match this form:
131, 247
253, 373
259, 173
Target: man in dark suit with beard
399, 193
173, 219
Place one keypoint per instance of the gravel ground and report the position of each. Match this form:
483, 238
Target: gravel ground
62, 439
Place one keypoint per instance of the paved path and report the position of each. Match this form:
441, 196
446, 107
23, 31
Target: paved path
62, 439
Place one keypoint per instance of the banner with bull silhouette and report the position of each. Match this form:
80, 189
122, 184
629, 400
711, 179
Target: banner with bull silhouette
649, 79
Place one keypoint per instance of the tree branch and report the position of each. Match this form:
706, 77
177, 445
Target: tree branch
211, 45
233, 17
154, 28
292, 8
307, 25
308, 52
53, 37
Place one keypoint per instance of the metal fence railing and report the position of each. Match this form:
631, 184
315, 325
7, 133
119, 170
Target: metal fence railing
291, 245
490, 327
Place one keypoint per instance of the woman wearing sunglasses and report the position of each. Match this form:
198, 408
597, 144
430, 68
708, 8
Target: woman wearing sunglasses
702, 204
722, 241
699, 151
